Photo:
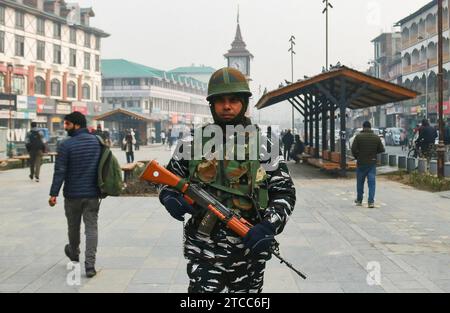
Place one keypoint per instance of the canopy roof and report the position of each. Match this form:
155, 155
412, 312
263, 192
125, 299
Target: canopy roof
361, 90
121, 114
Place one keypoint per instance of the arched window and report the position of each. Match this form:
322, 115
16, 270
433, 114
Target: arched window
71, 90
86, 92
56, 88
39, 85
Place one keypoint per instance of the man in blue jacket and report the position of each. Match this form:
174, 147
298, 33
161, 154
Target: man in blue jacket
77, 166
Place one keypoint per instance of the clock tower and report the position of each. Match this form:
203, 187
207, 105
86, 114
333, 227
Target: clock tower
238, 56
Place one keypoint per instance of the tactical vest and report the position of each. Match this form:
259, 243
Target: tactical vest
239, 184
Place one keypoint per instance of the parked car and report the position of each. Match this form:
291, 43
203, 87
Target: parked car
393, 136
359, 130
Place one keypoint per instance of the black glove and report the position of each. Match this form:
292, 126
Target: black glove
260, 238
175, 204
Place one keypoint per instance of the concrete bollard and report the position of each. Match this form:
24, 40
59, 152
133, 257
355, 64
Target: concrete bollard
433, 167
411, 165
402, 162
447, 169
423, 166
384, 159
392, 160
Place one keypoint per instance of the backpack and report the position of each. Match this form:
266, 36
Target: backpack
109, 173
35, 142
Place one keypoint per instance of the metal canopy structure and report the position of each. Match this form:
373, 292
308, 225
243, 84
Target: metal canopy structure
318, 98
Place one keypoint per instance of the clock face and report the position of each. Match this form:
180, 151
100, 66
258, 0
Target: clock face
239, 64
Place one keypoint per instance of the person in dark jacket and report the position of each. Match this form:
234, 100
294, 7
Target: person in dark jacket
365, 148
298, 150
288, 141
427, 136
77, 167
129, 143
36, 148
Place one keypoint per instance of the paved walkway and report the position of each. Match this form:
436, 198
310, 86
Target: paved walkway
407, 235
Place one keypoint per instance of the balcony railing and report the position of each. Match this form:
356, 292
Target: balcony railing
112, 88
433, 62
407, 69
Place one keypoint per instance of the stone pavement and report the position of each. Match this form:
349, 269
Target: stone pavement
331, 240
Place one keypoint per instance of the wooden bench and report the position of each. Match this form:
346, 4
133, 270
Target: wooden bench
52, 156
23, 158
326, 155
4, 162
128, 170
330, 165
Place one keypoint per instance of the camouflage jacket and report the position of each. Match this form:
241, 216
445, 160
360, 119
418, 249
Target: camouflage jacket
282, 198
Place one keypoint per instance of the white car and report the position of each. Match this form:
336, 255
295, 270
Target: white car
376, 131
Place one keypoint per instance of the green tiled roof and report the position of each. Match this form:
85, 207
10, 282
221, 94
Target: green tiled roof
120, 68
125, 69
194, 70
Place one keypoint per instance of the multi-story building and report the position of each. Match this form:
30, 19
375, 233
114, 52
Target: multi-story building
165, 97
387, 66
55, 58
202, 73
420, 63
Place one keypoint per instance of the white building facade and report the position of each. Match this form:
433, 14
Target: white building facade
55, 55
167, 98
420, 63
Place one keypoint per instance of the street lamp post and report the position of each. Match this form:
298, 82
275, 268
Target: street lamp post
328, 5
291, 50
441, 146
10, 69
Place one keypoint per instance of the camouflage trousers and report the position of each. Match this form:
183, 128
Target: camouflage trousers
245, 276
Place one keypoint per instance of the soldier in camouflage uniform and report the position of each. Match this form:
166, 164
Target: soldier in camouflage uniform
218, 259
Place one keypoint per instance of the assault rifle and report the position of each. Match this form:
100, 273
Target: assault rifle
193, 193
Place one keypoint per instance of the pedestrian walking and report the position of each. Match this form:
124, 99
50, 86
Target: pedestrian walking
288, 141
77, 167
163, 137
171, 139
403, 139
365, 148
129, 143
137, 137
447, 139
36, 148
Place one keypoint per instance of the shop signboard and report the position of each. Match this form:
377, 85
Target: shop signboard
63, 108
80, 107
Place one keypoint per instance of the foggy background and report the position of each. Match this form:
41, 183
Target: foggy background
172, 33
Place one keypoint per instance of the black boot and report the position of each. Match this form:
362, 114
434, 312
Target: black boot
70, 254
90, 271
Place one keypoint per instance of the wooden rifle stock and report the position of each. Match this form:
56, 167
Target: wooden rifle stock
157, 174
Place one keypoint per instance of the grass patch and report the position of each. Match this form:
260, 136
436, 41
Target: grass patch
425, 182
134, 187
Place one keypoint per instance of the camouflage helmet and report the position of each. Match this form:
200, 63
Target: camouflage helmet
227, 81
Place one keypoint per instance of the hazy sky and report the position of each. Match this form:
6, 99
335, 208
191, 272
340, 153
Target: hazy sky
169, 33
